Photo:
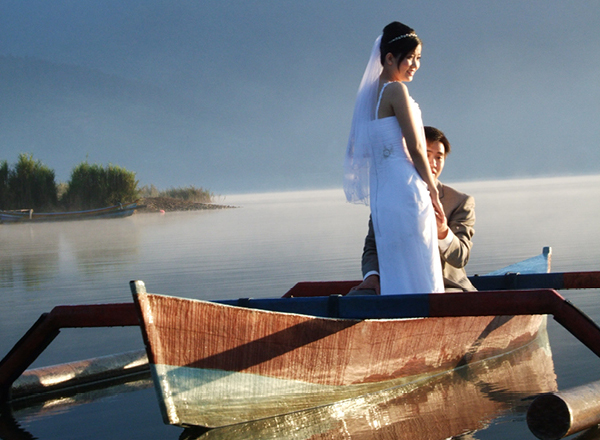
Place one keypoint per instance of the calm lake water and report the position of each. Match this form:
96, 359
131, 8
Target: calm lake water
262, 248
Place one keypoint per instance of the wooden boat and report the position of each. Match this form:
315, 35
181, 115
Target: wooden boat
216, 363
28, 215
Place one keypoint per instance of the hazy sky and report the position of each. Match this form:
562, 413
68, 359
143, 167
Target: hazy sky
514, 84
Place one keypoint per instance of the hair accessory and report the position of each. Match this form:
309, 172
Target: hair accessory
412, 34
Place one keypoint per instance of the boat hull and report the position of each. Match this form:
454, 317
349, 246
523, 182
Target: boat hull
29, 216
439, 407
215, 364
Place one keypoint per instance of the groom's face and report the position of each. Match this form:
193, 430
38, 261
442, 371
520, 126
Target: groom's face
436, 153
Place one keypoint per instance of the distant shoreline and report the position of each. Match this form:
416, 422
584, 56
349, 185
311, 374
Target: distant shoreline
170, 204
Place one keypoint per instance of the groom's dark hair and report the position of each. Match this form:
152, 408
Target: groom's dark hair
433, 134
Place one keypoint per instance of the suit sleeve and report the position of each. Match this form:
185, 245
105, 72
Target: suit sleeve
461, 222
369, 256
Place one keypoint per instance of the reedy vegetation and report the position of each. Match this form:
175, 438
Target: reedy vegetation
188, 193
31, 185
95, 186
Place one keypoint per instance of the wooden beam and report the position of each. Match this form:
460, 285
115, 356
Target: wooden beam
48, 326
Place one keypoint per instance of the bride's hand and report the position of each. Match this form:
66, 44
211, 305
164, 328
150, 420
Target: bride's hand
440, 217
442, 225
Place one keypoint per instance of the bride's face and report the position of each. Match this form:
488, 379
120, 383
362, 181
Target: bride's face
409, 65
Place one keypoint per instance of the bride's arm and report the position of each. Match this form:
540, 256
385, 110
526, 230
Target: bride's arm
400, 101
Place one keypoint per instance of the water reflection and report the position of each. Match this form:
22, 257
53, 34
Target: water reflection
590, 434
99, 246
13, 418
33, 254
25, 256
10, 429
452, 405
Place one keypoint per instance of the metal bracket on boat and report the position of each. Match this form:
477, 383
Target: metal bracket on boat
333, 305
510, 280
243, 302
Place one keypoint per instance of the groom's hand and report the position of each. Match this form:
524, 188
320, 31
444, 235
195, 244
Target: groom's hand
370, 283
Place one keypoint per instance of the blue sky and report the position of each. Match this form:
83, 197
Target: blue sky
514, 84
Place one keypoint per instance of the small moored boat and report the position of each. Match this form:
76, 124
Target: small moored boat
28, 215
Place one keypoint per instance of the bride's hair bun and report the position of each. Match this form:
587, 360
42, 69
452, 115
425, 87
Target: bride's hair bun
398, 39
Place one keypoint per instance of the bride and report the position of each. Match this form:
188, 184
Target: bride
386, 166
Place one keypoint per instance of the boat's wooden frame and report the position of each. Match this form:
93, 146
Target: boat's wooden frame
500, 309
217, 363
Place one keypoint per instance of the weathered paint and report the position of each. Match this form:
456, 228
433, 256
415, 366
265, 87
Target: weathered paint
435, 407
252, 347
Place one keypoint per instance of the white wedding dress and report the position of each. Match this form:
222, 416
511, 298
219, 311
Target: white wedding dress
402, 213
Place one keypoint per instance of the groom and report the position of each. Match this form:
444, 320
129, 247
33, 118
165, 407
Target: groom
454, 234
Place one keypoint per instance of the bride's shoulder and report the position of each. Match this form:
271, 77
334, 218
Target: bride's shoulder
396, 90
395, 86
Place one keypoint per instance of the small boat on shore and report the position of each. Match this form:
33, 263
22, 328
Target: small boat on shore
217, 363
28, 215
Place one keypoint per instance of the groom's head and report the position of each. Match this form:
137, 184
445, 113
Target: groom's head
438, 147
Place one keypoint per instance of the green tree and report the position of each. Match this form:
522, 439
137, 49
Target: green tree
31, 185
4, 191
95, 186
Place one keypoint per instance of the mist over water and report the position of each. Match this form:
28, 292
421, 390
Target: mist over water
266, 245
516, 217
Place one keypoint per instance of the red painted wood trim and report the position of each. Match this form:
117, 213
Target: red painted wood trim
527, 302
48, 326
534, 302
95, 315
581, 280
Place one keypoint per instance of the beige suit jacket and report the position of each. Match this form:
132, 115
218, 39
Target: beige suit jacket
459, 209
